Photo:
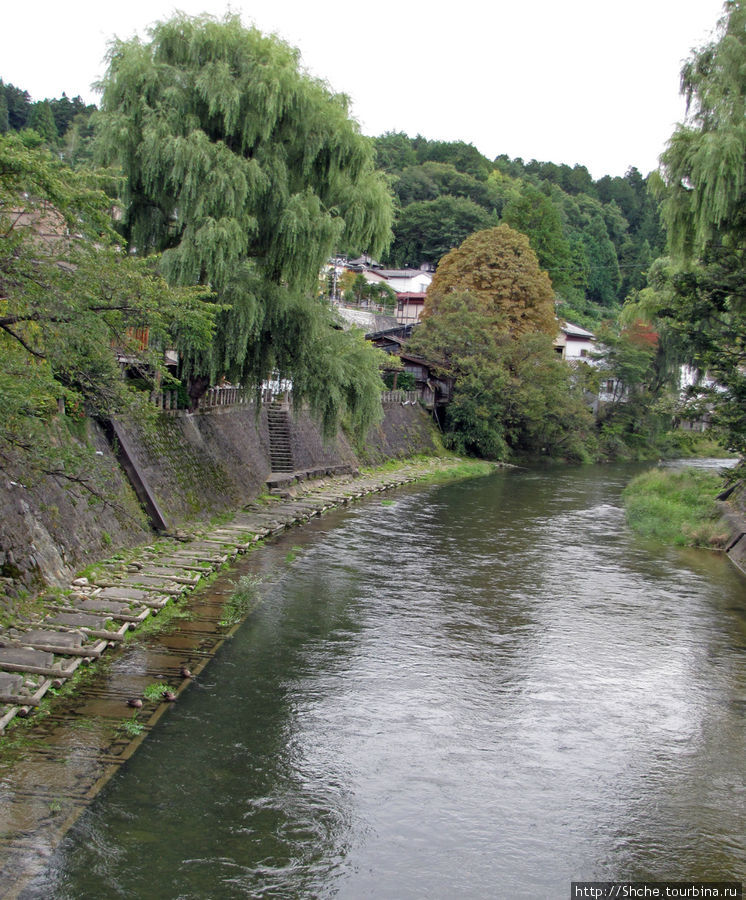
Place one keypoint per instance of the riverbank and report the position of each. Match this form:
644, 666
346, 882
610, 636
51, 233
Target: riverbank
83, 721
689, 507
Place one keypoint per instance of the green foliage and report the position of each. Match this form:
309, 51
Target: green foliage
596, 239
19, 106
131, 727
42, 122
531, 212
360, 290
705, 163
394, 152
66, 110
462, 156
635, 419
704, 168
677, 507
428, 229
512, 394
246, 173
156, 690
4, 121
431, 180
68, 296
405, 381
498, 266
242, 601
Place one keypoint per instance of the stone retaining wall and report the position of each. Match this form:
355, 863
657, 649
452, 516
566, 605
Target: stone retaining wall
50, 526
196, 465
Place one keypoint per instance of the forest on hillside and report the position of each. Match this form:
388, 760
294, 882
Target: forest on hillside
596, 239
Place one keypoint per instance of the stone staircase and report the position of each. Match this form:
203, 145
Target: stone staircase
280, 450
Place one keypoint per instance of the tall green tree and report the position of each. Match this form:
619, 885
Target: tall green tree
704, 167
41, 121
531, 212
512, 393
19, 106
246, 174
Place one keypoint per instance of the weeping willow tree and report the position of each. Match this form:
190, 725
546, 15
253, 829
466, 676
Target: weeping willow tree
704, 168
705, 162
245, 174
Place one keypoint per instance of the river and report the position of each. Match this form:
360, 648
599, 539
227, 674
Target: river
484, 689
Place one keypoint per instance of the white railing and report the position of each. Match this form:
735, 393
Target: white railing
400, 396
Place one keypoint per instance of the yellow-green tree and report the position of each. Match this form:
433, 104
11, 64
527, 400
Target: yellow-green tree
499, 267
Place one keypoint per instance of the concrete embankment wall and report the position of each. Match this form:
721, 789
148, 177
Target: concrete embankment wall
195, 465
734, 511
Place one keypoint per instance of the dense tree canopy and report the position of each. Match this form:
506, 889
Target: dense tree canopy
596, 239
531, 212
704, 168
428, 229
246, 174
499, 267
68, 297
512, 394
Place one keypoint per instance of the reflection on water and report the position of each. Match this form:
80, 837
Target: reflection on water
487, 689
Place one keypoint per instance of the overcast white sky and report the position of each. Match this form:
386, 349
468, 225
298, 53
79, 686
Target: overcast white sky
568, 81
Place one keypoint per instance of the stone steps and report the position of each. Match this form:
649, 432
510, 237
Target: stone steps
280, 447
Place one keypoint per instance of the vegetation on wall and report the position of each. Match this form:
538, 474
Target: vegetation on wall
68, 298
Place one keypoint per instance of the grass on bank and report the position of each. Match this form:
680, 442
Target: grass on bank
677, 506
435, 468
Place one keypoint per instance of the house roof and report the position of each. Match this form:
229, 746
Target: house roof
402, 273
366, 319
577, 332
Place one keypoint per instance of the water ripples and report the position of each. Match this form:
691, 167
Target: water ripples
488, 689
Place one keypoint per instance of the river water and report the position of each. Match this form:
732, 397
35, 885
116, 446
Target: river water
485, 689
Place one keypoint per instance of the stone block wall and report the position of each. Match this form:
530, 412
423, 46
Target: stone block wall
50, 527
195, 465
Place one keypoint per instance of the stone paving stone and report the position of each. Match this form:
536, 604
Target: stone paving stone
94, 604
65, 640
172, 573
127, 594
187, 560
25, 656
148, 586
204, 547
10, 685
78, 620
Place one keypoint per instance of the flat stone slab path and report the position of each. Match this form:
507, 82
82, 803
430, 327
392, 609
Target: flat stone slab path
44, 788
